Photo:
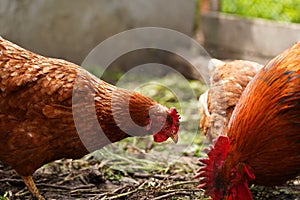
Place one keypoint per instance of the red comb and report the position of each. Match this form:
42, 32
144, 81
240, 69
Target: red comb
208, 174
173, 112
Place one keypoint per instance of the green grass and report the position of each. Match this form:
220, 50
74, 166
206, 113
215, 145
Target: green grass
4, 197
278, 10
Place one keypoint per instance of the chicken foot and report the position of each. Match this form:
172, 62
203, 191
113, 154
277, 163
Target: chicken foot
32, 187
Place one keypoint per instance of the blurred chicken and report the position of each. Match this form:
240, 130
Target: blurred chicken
228, 80
261, 143
40, 98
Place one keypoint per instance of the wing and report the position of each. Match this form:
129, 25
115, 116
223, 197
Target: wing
35, 108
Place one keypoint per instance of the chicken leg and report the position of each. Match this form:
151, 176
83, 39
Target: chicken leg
32, 187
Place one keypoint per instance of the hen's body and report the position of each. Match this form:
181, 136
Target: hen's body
262, 140
42, 98
36, 110
228, 81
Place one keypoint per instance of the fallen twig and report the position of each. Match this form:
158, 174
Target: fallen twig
171, 194
107, 196
22, 192
159, 176
119, 189
65, 187
89, 190
12, 180
181, 183
68, 178
122, 194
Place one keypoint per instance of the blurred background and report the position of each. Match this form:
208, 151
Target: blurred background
255, 30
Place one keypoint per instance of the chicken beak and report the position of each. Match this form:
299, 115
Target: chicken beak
173, 136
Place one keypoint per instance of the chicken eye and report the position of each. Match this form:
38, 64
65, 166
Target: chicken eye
232, 174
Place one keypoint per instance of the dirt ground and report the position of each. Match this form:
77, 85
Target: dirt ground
115, 176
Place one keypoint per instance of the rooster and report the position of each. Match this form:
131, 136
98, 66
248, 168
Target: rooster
37, 111
261, 143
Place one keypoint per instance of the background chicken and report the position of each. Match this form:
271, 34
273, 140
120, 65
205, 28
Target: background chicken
228, 81
261, 142
36, 112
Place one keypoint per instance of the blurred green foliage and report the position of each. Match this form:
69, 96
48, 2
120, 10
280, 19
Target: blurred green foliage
279, 10
4, 197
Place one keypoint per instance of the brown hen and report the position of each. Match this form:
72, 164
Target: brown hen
228, 81
41, 100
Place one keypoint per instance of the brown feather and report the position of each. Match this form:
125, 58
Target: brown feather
228, 81
264, 129
261, 143
41, 100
